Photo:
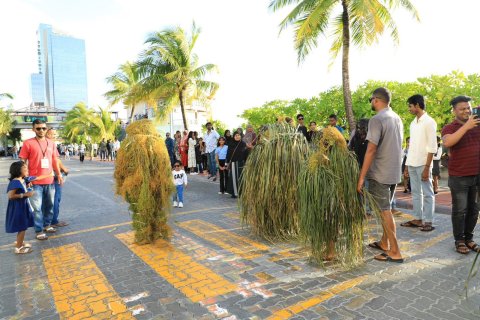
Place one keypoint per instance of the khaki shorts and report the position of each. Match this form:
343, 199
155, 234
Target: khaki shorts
382, 194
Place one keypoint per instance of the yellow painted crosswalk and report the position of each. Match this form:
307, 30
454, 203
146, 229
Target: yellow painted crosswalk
325, 295
241, 246
79, 288
194, 280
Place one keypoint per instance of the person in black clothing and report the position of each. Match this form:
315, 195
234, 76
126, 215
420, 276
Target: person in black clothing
228, 137
312, 132
301, 125
235, 162
359, 144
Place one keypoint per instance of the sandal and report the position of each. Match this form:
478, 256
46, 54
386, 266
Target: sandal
376, 245
25, 244
410, 224
472, 245
60, 224
387, 258
23, 250
41, 236
427, 228
50, 229
461, 247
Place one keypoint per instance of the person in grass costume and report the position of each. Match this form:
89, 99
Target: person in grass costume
144, 179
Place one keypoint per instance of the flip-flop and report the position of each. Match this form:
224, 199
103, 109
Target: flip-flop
375, 245
472, 246
410, 224
388, 258
427, 228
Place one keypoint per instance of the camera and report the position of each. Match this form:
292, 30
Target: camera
476, 111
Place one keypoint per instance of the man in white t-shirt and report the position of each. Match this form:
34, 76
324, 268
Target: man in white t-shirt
211, 138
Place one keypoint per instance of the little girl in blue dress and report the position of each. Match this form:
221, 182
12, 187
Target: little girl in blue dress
19, 214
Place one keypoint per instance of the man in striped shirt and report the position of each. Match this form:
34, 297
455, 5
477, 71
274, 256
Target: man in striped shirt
462, 137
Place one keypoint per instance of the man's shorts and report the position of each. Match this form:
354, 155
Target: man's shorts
382, 194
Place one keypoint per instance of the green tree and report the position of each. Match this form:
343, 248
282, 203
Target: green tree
172, 72
437, 89
127, 87
358, 21
103, 126
78, 122
6, 95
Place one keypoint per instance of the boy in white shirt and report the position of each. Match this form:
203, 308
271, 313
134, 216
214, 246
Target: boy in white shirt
180, 181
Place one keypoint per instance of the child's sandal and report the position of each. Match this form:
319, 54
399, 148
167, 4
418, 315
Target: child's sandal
23, 250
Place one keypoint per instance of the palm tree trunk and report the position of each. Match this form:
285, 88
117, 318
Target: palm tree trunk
131, 113
182, 108
347, 93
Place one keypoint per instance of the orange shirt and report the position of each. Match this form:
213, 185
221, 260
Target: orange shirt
34, 151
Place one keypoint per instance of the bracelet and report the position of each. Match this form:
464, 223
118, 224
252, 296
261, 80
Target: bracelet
21, 195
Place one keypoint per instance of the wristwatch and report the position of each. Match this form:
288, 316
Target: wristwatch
21, 195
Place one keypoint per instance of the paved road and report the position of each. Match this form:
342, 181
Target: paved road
213, 268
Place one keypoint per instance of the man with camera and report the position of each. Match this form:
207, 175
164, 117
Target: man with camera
462, 137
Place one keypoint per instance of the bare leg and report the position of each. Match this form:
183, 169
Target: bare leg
20, 238
435, 183
405, 182
390, 233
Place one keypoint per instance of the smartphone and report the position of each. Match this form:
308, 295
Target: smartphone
476, 111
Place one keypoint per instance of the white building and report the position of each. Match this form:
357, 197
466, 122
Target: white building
197, 116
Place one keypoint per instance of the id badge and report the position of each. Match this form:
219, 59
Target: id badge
45, 164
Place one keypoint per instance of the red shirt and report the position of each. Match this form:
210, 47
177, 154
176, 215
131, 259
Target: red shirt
34, 151
464, 157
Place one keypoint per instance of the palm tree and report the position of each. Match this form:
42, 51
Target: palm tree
126, 87
83, 121
103, 127
360, 21
78, 122
6, 95
172, 73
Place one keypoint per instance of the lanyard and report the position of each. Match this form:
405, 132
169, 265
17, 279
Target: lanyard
43, 152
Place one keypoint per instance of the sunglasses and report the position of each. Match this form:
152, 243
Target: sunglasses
371, 99
300, 118
41, 128
176, 166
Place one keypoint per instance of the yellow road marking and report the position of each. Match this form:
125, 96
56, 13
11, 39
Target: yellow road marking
241, 246
327, 294
194, 280
201, 210
79, 288
76, 232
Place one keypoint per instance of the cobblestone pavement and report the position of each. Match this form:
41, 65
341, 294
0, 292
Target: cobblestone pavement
213, 268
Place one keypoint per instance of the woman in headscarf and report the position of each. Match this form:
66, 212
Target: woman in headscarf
236, 160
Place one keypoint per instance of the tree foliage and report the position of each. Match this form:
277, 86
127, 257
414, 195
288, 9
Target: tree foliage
82, 122
437, 89
345, 21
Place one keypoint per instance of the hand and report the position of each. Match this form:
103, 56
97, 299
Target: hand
60, 180
472, 122
185, 187
360, 183
426, 173
29, 185
28, 194
405, 172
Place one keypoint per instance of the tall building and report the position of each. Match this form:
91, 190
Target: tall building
61, 81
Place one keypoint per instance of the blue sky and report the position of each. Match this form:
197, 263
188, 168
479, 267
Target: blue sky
256, 63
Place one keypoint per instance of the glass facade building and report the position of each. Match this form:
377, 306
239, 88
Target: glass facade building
62, 67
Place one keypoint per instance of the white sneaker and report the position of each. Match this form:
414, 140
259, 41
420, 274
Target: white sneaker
180, 204
226, 193
220, 192
175, 204
194, 173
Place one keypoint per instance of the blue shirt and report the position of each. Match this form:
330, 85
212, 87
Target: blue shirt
222, 152
339, 129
